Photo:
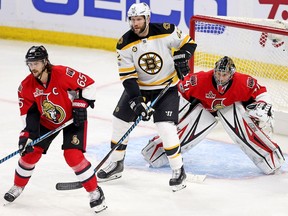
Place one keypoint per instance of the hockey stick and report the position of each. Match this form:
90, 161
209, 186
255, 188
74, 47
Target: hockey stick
76, 185
34, 142
194, 178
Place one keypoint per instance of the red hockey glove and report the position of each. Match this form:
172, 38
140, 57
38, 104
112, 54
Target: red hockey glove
79, 110
24, 143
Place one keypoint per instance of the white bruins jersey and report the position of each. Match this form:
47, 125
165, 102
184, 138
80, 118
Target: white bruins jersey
149, 59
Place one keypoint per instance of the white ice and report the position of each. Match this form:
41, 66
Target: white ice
234, 186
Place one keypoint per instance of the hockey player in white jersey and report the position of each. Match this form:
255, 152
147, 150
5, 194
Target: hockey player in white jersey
146, 65
223, 94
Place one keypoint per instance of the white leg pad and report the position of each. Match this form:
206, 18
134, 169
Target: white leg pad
193, 127
264, 153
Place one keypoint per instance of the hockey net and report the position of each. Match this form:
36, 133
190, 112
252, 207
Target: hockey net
258, 47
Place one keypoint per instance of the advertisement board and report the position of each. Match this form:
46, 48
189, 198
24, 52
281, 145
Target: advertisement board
107, 18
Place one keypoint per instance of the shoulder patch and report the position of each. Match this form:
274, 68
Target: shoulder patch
166, 26
120, 41
250, 82
193, 80
70, 72
20, 88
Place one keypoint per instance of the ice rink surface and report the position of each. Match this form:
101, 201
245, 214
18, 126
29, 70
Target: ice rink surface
234, 185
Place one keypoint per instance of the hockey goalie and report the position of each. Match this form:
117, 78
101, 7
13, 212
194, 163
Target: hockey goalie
238, 102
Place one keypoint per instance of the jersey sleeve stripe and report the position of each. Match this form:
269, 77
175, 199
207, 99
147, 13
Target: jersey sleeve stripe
134, 75
187, 39
161, 82
127, 70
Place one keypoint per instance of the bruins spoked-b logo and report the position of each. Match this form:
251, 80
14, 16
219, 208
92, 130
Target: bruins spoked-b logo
151, 63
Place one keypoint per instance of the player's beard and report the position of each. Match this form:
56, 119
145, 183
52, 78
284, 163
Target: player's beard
141, 30
38, 74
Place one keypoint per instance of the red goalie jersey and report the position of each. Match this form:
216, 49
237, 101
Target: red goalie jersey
53, 100
202, 86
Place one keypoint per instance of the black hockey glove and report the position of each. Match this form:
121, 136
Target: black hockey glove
139, 106
24, 142
181, 58
79, 110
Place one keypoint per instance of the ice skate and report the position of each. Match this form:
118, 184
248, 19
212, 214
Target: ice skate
97, 200
177, 182
13, 193
112, 171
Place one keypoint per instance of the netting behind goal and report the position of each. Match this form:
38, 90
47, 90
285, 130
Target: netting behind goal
258, 47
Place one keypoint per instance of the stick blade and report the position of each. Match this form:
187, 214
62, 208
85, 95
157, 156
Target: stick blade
68, 185
195, 178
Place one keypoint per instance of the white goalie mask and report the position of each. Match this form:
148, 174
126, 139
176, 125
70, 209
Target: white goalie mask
139, 9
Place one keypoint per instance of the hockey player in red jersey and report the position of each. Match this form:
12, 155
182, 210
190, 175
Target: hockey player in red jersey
48, 97
221, 87
241, 104
146, 65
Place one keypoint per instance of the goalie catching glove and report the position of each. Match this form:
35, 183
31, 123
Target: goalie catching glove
24, 143
260, 111
139, 106
181, 58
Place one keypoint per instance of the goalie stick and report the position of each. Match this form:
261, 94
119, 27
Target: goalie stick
34, 142
193, 178
76, 185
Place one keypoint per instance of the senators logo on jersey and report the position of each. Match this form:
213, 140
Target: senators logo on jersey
217, 104
52, 112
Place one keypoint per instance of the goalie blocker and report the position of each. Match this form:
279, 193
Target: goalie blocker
196, 123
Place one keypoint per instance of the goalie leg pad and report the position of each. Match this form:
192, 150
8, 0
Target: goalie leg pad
154, 153
264, 153
195, 124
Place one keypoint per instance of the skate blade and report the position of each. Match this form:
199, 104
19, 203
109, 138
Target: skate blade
100, 208
113, 177
176, 188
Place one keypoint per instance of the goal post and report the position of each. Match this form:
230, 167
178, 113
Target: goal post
258, 47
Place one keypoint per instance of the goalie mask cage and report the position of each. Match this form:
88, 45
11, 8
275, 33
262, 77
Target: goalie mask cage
258, 47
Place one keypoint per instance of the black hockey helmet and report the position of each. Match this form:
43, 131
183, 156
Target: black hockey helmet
36, 53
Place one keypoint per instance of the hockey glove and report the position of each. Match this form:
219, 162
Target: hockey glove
24, 143
181, 58
139, 106
260, 111
79, 110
